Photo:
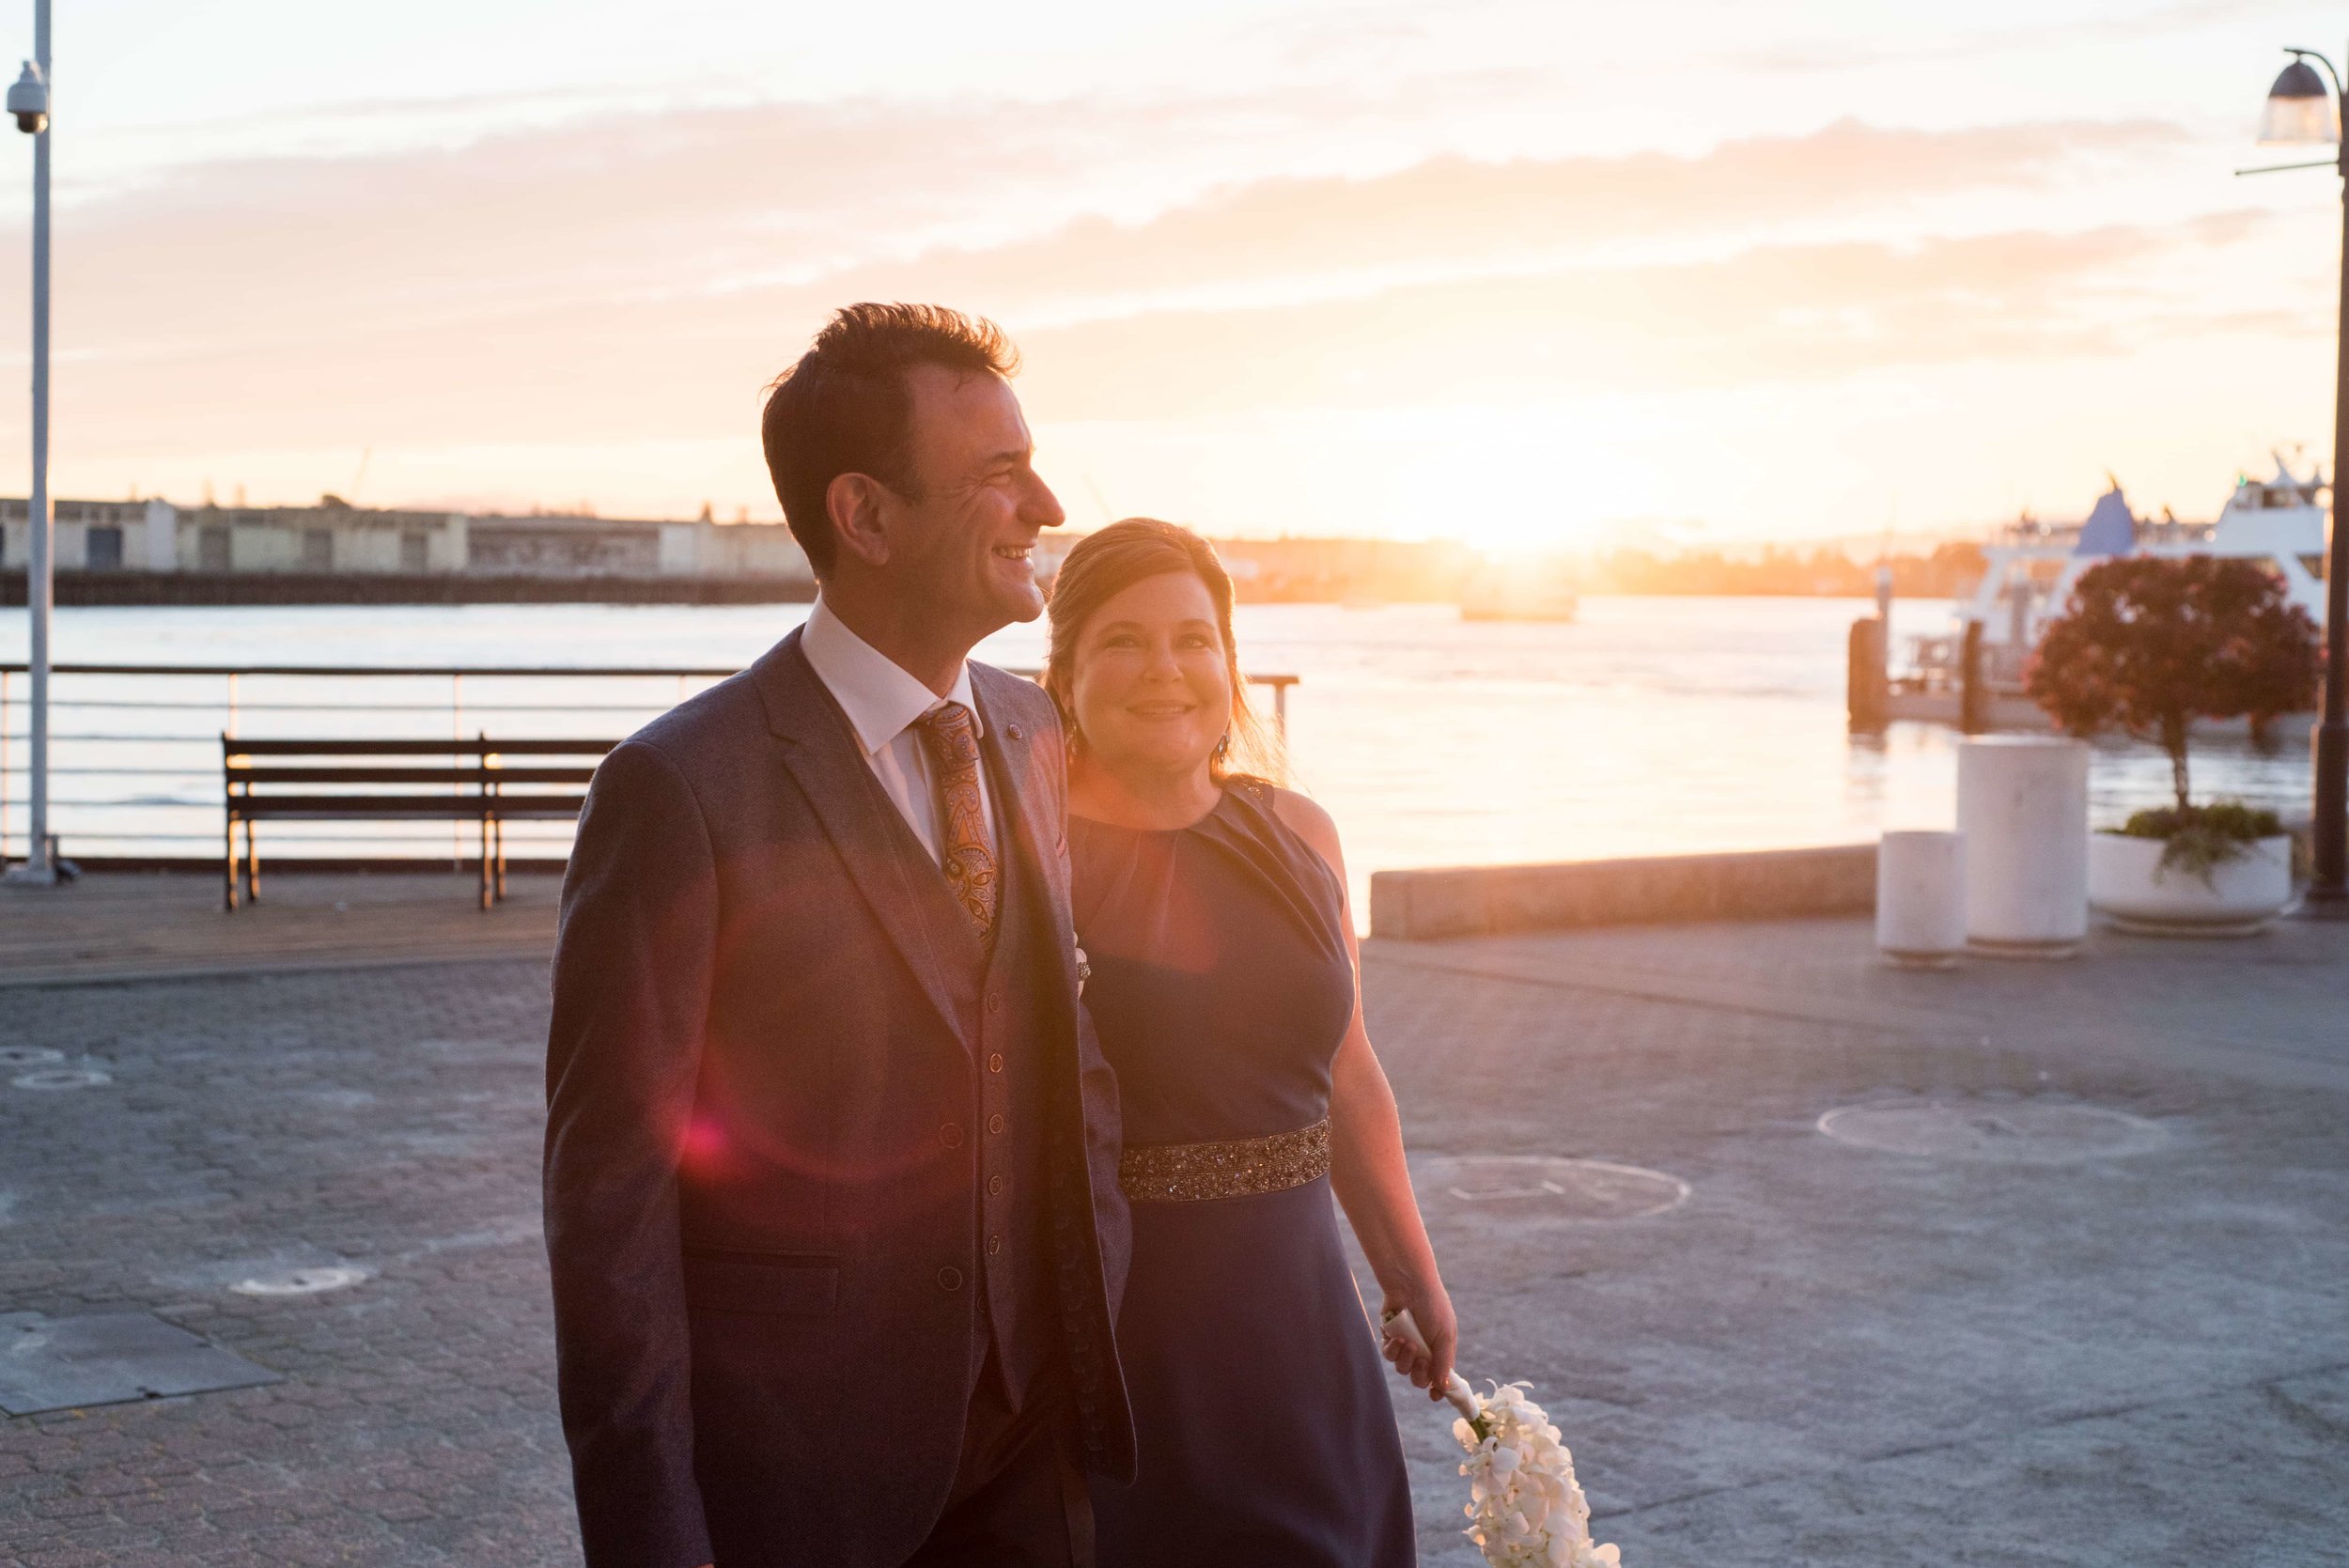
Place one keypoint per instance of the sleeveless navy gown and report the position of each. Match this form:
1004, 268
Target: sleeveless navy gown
1220, 990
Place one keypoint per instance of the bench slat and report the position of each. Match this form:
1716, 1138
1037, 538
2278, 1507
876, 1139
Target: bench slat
466, 808
242, 746
393, 774
531, 748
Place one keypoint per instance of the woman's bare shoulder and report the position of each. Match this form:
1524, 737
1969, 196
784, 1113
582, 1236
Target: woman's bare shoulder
1307, 820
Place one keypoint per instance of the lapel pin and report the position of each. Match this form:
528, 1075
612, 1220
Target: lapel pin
1013, 730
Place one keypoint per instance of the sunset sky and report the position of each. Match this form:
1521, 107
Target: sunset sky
1521, 274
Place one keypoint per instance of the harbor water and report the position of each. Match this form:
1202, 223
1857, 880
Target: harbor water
1650, 725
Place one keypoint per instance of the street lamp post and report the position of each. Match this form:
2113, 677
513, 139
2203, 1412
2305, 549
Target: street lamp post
2301, 112
28, 100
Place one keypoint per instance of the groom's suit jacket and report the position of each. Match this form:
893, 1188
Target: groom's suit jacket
760, 1204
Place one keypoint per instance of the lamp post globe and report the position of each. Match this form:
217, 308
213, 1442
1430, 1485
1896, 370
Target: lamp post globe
2299, 111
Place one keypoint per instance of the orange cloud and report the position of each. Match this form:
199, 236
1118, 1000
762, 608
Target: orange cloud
1452, 212
636, 282
1779, 314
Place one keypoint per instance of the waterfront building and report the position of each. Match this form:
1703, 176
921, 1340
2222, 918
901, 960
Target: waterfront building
334, 538
96, 535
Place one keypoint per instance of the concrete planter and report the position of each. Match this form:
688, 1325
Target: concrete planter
2128, 886
2022, 810
1921, 899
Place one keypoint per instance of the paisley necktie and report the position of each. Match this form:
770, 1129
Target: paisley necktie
953, 738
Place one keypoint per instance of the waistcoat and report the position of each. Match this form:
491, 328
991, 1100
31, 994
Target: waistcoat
1012, 1048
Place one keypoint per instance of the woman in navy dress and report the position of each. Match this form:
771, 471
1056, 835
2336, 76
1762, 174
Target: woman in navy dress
1211, 906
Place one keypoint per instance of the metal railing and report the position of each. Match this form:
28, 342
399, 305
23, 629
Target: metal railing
136, 757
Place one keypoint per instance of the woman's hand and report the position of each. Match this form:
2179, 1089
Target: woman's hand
1431, 1308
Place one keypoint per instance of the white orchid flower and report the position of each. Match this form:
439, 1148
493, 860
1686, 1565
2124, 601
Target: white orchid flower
1526, 1509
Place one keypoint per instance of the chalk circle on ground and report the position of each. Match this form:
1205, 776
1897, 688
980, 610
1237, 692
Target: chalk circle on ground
62, 1078
301, 1282
29, 1056
1993, 1132
1549, 1186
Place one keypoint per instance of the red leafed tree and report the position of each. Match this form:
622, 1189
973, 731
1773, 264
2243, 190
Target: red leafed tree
2150, 643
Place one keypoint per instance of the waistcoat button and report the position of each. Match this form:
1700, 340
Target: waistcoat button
994, 1187
995, 1063
951, 1136
995, 1124
994, 1246
994, 1001
950, 1279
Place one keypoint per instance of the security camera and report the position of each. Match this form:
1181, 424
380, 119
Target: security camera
28, 100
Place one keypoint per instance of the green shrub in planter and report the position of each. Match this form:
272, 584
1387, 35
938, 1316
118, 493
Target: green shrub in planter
2198, 840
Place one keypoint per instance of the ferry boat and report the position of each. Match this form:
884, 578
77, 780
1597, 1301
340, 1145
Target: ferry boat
2032, 567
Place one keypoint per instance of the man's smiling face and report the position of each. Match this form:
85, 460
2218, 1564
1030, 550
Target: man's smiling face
962, 544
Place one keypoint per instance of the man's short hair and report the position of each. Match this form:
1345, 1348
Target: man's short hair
846, 408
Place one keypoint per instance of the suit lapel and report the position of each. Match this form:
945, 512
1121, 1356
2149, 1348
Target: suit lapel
1028, 796
883, 859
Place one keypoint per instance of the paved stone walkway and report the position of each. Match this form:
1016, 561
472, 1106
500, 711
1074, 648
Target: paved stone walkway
2011, 1350
131, 926
1833, 1354
386, 1118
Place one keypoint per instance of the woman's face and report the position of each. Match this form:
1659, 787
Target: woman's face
1149, 682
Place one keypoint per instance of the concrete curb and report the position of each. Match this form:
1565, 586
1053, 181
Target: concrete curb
248, 966
1474, 901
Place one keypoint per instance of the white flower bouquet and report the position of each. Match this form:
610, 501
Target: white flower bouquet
1525, 1508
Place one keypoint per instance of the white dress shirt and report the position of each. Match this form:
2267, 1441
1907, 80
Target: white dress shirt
883, 703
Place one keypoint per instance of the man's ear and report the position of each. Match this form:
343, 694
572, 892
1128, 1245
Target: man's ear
856, 504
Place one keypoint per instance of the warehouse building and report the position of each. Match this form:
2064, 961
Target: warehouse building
334, 538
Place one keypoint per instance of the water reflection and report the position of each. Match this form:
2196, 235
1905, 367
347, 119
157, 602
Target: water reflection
1649, 727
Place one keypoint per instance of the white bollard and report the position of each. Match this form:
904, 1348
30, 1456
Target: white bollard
1921, 898
2022, 809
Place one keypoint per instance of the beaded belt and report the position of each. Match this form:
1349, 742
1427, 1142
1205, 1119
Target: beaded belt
1237, 1168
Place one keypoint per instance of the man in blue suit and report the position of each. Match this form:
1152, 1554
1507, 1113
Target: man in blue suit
831, 1200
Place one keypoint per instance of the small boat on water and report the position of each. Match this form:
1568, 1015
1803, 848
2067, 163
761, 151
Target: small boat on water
1495, 592
2032, 567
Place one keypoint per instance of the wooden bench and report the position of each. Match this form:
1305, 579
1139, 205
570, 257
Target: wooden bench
402, 780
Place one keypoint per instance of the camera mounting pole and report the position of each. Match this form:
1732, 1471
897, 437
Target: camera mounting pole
28, 100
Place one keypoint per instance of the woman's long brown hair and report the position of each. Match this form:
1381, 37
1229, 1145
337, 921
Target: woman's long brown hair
1104, 564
